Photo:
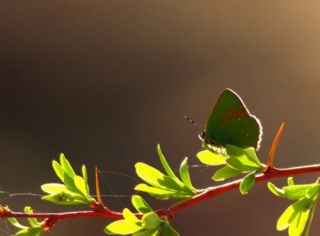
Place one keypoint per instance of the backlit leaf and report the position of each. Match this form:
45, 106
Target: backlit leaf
80, 185
156, 178
247, 183
129, 216
165, 164
283, 221
16, 223
243, 159
184, 174
30, 232
275, 190
210, 158
122, 227
224, 173
162, 194
58, 170
65, 164
167, 230
151, 220
147, 232
53, 188
32, 221
140, 204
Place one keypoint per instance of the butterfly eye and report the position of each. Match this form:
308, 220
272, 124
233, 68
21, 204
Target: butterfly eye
202, 135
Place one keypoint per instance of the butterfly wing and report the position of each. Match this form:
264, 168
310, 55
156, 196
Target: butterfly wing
242, 132
231, 123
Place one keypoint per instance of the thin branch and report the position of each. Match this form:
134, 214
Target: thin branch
201, 195
216, 190
63, 215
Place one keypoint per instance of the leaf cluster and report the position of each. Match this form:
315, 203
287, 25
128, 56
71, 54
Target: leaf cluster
298, 216
34, 228
165, 186
74, 189
149, 224
236, 161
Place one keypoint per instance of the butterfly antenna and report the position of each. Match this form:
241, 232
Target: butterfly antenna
201, 132
191, 121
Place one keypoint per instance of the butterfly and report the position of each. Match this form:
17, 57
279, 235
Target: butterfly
230, 122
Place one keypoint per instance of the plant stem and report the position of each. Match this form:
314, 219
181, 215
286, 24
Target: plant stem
216, 190
200, 196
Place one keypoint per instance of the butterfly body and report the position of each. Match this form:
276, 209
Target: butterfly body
230, 122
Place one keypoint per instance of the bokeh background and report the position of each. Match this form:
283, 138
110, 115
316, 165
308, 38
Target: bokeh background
105, 81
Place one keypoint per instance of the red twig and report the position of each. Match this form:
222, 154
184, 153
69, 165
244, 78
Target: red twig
216, 190
201, 195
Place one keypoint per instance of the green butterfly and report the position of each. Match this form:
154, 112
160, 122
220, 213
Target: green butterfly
230, 122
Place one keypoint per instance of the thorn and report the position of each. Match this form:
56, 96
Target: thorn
49, 223
98, 186
274, 146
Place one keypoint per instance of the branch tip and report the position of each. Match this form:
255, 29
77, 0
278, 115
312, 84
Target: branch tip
274, 146
100, 202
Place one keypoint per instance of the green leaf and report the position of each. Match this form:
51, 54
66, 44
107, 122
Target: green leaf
252, 155
16, 223
184, 174
311, 217
140, 204
53, 188
147, 232
162, 194
275, 190
66, 166
295, 217
313, 192
156, 178
69, 183
247, 183
284, 220
58, 170
66, 198
224, 173
30, 232
242, 164
32, 221
81, 186
298, 224
122, 227
85, 177
129, 216
290, 181
165, 164
243, 159
210, 158
151, 220
295, 192
167, 230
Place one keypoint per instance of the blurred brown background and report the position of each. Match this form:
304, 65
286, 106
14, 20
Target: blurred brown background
105, 81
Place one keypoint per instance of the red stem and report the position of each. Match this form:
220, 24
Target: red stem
169, 212
216, 190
